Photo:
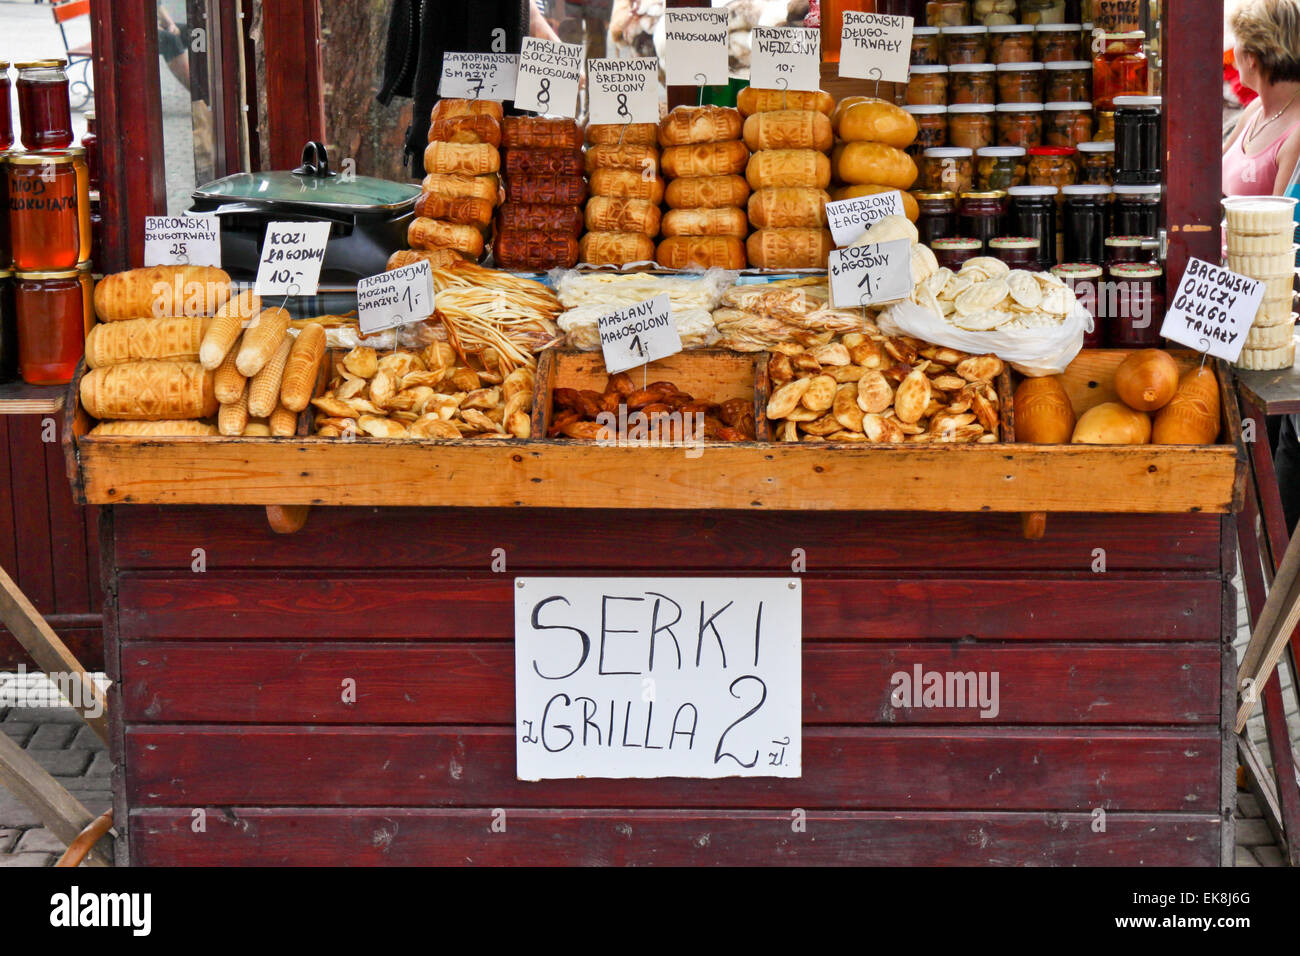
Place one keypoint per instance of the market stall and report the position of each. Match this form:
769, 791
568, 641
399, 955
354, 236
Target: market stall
322, 541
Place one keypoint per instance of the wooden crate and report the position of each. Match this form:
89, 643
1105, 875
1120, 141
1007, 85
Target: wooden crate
744, 475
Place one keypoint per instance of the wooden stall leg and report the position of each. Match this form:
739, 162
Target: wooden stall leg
287, 519
1033, 524
59, 810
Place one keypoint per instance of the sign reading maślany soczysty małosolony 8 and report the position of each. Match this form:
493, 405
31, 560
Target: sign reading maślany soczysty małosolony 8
657, 677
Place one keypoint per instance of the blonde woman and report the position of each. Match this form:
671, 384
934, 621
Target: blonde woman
1262, 152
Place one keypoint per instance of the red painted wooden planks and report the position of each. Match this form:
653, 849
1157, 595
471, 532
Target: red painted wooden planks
35, 569
8, 544
396, 837
318, 605
369, 538
67, 539
913, 768
473, 683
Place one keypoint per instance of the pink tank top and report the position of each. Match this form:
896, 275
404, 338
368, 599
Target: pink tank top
1252, 175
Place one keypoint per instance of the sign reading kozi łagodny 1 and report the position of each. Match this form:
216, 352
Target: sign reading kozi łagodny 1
657, 677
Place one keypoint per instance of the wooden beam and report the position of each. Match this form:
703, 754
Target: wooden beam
295, 101
58, 810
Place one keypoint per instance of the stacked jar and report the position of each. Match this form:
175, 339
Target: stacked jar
1261, 234
48, 192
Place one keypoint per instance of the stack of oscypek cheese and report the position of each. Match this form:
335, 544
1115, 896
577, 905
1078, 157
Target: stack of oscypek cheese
1261, 245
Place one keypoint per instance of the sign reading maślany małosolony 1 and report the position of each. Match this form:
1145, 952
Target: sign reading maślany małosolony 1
657, 677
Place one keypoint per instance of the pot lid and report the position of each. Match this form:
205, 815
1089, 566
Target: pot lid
355, 195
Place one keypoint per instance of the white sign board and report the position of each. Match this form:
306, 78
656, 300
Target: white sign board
695, 47
395, 298
786, 58
193, 239
658, 677
1213, 309
549, 74
479, 76
292, 254
850, 218
638, 334
624, 91
863, 275
874, 46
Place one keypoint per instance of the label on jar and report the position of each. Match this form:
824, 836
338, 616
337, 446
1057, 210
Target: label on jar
864, 275
875, 47
786, 58
395, 298
695, 47
549, 76
193, 239
479, 76
292, 255
850, 218
1212, 311
624, 91
638, 334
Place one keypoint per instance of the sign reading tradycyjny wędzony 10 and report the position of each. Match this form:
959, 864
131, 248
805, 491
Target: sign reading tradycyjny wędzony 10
658, 677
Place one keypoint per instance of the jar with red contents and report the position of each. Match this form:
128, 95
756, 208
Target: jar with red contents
1138, 293
1011, 43
980, 215
1143, 249
1018, 252
936, 215
1055, 42
1053, 166
51, 310
1084, 280
1119, 68
49, 209
1019, 124
44, 110
8, 328
6, 115
950, 253
90, 143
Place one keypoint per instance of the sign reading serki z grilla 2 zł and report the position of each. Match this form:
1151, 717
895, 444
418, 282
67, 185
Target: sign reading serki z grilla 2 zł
638, 334
658, 677
1213, 309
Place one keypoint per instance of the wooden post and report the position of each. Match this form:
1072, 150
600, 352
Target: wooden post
59, 810
294, 87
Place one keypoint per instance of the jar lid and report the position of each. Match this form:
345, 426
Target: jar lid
955, 243
972, 68
1085, 190
948, 152
1136, 270
1131, 35
1069, 65
1079, 105
1019, 67
86, 266
925, 31
50, 156
923, 68
1126, 241
1013, 242
971, 108
40, 64
1121, 190
1101, 146
1138, 102
1000, 152
985, 194
1020, 107
1060, 28
4, 65
926, 109
1051, 151
963, 31
934, 197
1027, 191
1010, 28
1077, 270
61, 274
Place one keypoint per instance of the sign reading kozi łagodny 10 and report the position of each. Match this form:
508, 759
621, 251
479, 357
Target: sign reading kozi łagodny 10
657, 677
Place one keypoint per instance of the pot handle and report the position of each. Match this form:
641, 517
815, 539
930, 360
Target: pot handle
315, 160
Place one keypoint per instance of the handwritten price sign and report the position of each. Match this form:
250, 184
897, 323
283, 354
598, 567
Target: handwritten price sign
549, 75
864, 275
193, 239
786, 58
479, 76
395, 298
292, 255
624, 91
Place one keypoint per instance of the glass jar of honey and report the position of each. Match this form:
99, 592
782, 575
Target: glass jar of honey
931, 128
6, 114
970, 125
927, 49
927, 86
1054, 42
966, 44
8, 328
44, 111
947, 169
6, 246
51, 313
1096, 164
947, 13
1011, 43
1020, 124
972, 83
1067, 124
1119, 68
999, 167
49, 209
1020, 83
1052, 166
950, 253
936, 216
1067, 81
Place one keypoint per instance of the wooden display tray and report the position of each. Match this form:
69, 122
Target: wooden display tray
540, 473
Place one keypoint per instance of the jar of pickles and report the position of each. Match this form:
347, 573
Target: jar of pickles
1096, 164
44, 111
1067, 81
49, 209
1054, 42
1119, 67
1084, 223
1138, 140
950, 253
990, 12
927, 86
972, 83
947, 13
6, 116
1052, 166
1011, 43
1137, 290
1020, 83
1018, 252
971, 125
947, 169
1144, 249
927, 50
51, 315
1031, 211
968, 44
999, 167
1042, 11
936, 216
1020, 124
1137, 210
1067, 124
931, 128
1084, 280
980, 215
